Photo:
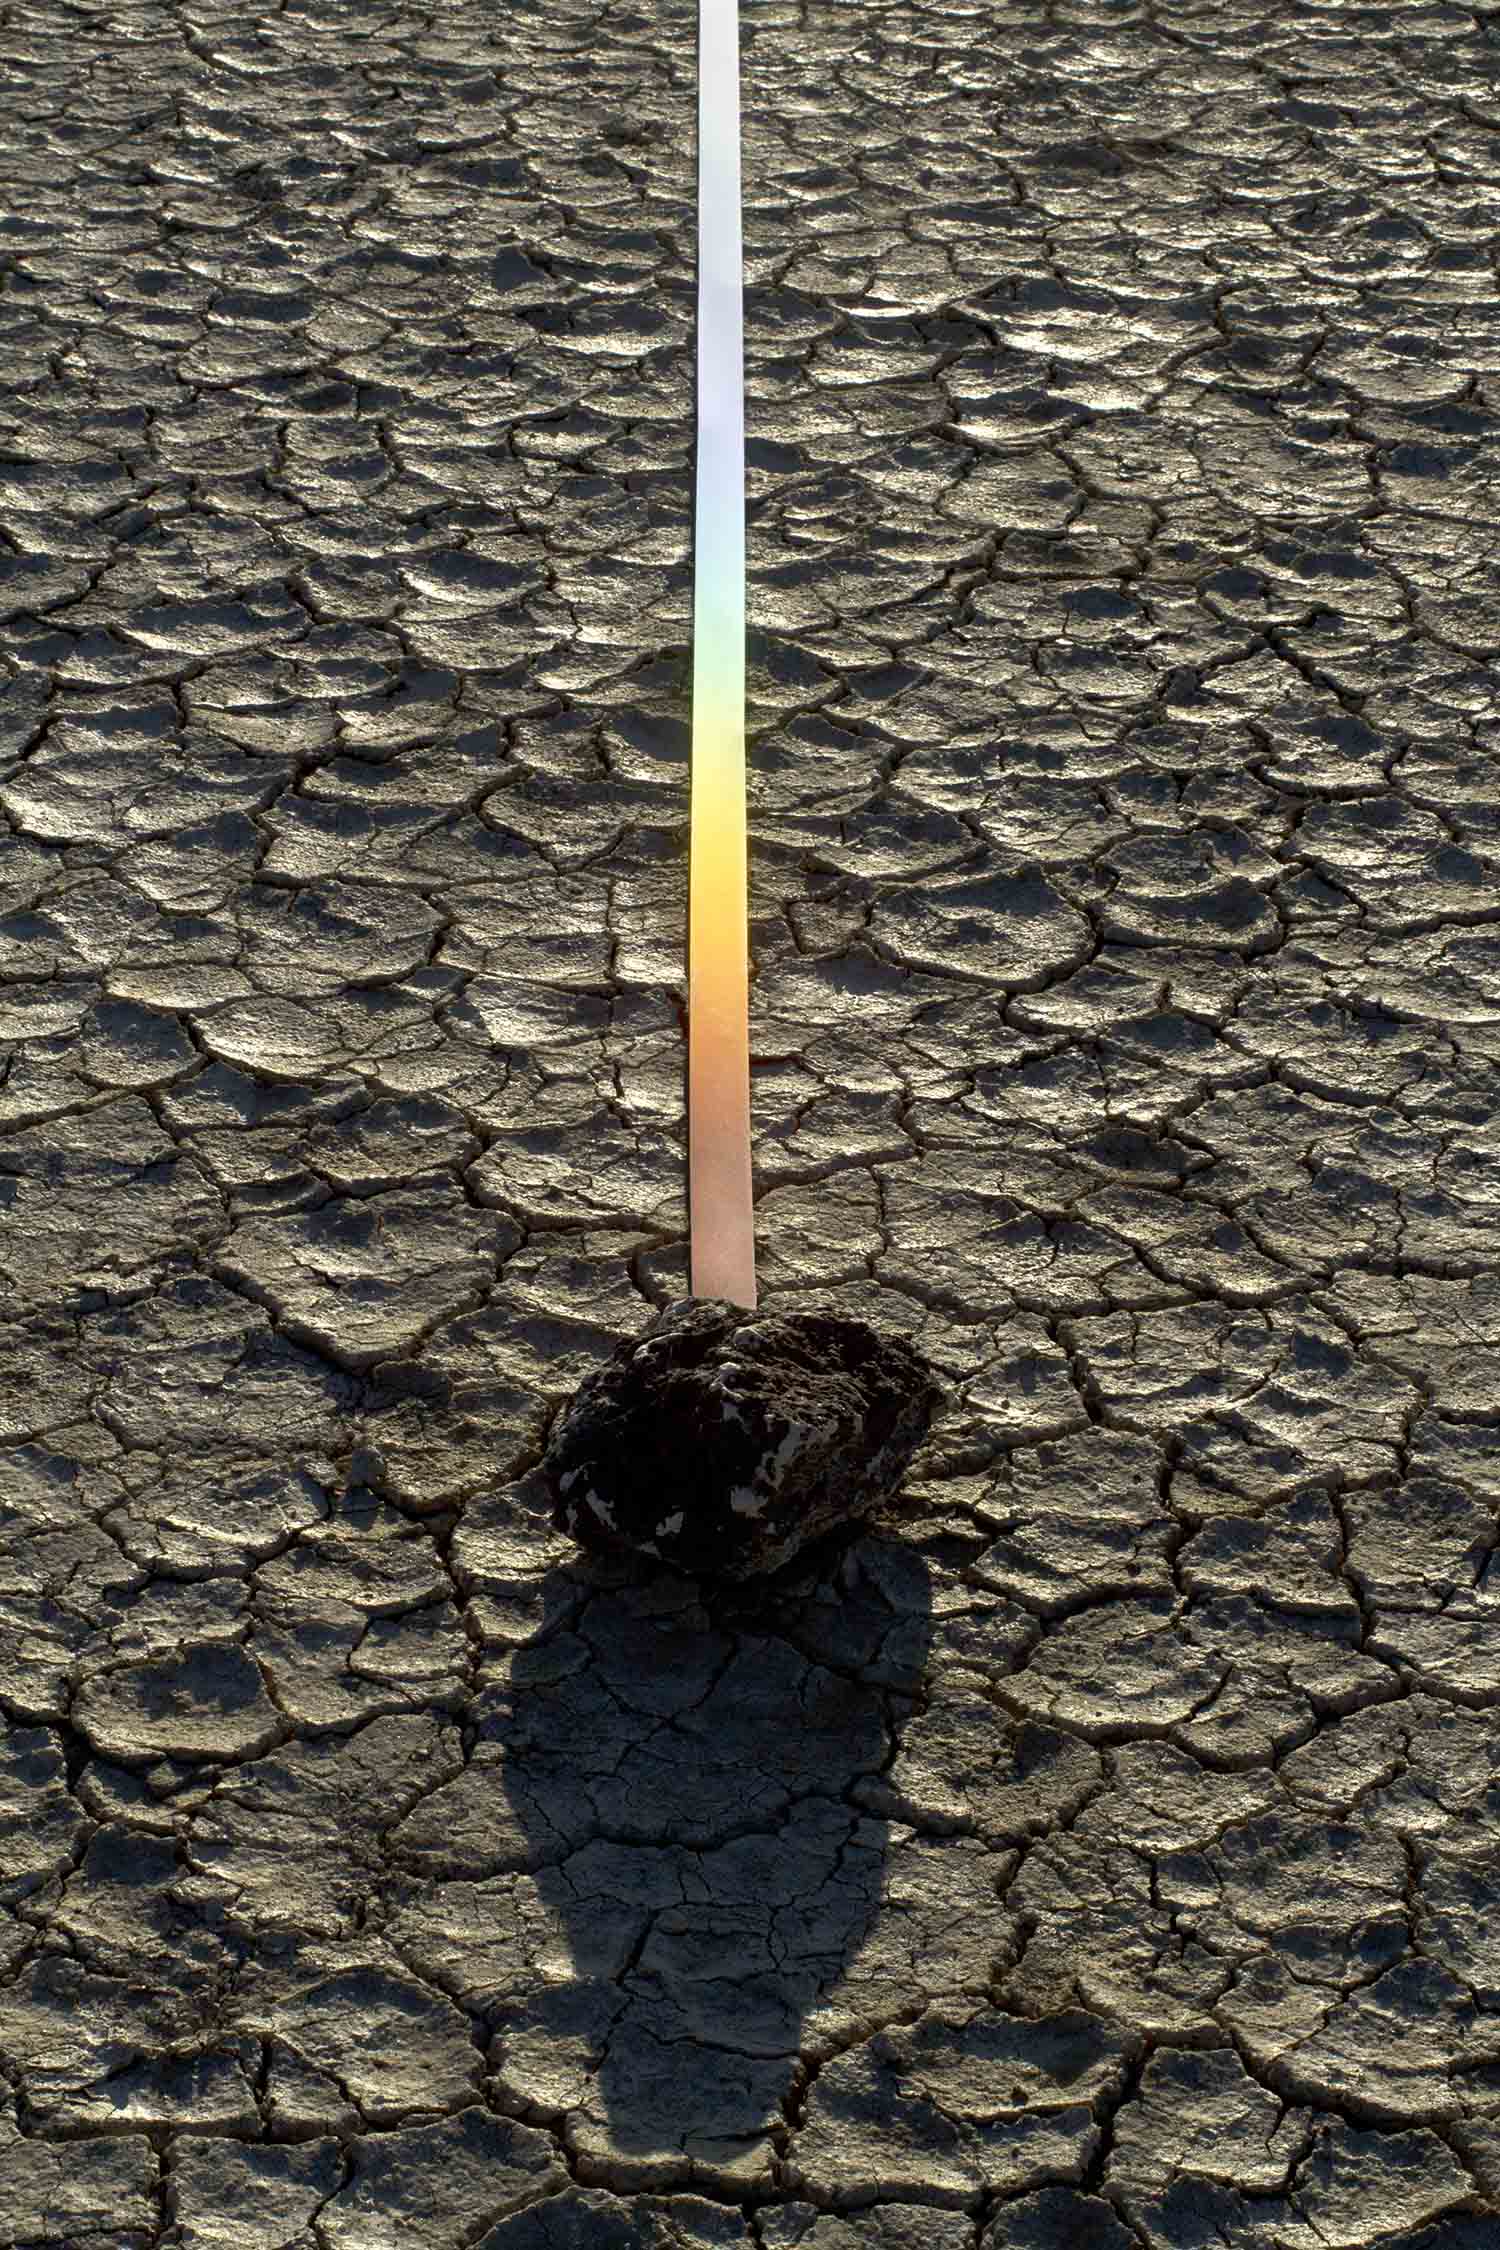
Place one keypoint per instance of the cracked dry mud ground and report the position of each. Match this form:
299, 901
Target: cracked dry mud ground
1106, 1852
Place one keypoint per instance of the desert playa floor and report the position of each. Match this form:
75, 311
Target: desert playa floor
1104, 1849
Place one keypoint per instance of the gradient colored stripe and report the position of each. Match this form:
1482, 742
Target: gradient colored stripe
721, 1215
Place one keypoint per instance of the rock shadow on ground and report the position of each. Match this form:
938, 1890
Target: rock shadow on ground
655, 1867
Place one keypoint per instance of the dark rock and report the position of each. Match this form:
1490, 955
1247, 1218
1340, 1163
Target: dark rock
722, 1440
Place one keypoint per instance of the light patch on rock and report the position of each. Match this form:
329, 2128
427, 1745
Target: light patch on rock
786, 1452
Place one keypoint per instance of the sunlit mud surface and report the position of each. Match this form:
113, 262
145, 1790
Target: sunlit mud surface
1102, 1850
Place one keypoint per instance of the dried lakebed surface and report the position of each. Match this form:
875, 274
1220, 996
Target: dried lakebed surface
1106, 1853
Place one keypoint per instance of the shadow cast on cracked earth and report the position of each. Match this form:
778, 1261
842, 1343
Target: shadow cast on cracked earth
694, 1867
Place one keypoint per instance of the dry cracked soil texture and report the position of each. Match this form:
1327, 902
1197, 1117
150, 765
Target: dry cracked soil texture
1103, 1850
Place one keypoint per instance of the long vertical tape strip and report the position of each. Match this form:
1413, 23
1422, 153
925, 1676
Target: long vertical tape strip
720, 1210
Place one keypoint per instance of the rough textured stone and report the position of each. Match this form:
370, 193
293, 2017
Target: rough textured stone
723, 1440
